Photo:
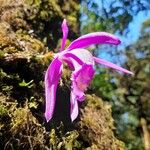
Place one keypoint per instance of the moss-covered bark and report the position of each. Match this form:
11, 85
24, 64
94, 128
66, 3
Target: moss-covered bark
28, 31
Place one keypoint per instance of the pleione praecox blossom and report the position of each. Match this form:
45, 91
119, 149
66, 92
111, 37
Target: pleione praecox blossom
81, 62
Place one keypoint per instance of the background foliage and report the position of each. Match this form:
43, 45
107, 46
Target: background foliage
128, 96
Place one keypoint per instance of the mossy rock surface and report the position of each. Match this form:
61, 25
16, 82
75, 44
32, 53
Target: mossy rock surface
96, 125
41, 18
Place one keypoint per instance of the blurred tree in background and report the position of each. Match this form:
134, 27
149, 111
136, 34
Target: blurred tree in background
110, 15
136, 90
130, 97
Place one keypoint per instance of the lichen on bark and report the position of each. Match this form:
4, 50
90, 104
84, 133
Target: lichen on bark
29, 31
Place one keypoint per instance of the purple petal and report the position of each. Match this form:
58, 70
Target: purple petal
83, 55
111, 65
84, 75
74, 57
94, 38
50, 91
52, 78
79, 94
74, 110
65, 34
77, 57
54, 70
81, 79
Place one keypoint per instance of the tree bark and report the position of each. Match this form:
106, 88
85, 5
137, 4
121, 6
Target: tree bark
146, 134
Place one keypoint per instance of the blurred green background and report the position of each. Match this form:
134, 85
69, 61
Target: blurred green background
129, 96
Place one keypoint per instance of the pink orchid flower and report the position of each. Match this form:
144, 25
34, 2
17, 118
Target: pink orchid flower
81, 62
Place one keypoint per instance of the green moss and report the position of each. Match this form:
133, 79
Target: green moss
96, 125
1, 54
28, 43
68, 141
38, 18
3, 111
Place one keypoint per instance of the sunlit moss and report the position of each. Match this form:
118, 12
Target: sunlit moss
96, 125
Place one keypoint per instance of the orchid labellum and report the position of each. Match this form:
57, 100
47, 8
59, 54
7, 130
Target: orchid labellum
81, 62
